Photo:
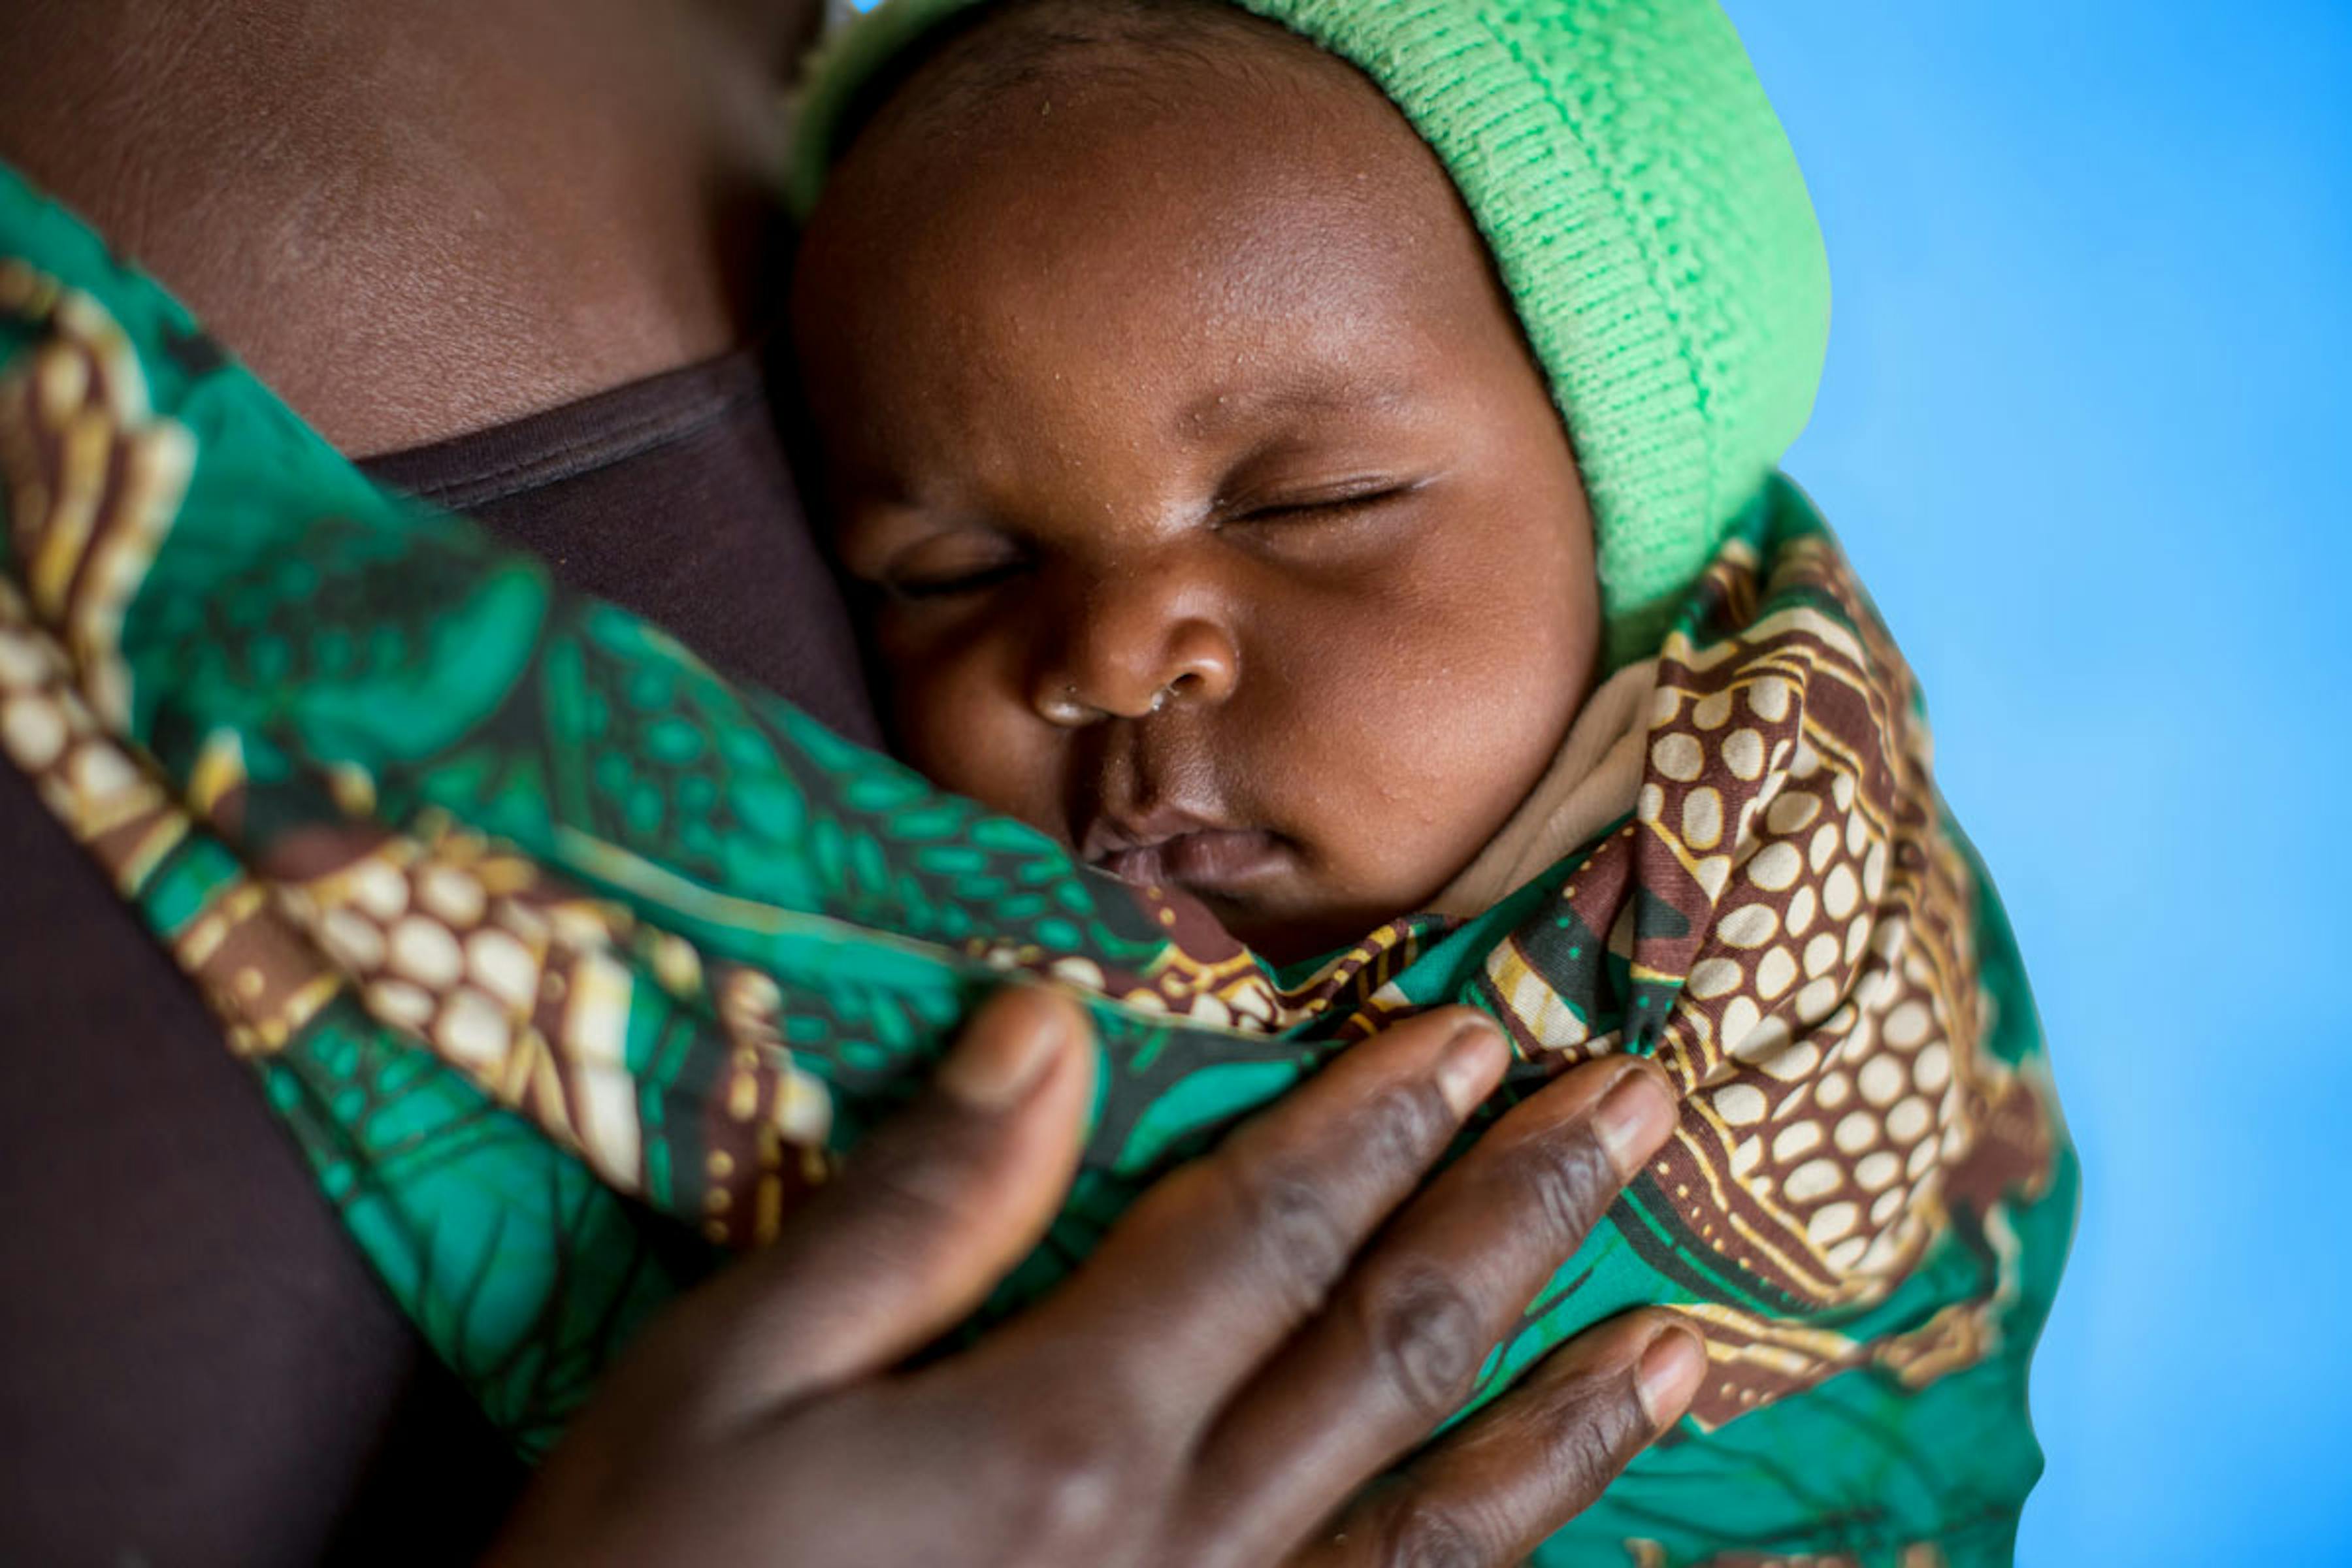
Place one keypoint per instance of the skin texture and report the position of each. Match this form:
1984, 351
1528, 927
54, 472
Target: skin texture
419, 219
1217, 521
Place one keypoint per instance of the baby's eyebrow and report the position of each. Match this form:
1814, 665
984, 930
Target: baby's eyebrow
1318, 394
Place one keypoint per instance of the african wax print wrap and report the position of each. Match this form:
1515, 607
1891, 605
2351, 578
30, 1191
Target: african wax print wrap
571, 966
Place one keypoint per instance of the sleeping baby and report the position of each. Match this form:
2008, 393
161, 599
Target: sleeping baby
1324, 471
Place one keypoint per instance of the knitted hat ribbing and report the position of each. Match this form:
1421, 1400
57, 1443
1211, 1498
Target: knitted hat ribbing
1644, 211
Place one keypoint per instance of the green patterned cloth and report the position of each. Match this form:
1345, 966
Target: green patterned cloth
572, 965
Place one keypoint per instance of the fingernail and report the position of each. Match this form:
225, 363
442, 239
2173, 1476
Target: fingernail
1634, 1118
1472, 1066
1668, 1376
1002, 1058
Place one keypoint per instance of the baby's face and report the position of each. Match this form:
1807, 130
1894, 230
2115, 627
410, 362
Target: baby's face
1217, 520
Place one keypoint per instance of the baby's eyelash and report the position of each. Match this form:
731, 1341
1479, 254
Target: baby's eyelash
957, 583
1335, 502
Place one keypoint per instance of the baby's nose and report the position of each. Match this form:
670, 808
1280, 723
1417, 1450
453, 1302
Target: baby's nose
1133, 659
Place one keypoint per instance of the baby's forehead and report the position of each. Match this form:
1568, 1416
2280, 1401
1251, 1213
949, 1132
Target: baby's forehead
1052, 209
984, 89
1191, 238
1020, 48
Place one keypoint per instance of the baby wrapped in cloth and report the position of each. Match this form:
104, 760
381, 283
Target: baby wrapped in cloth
516, 907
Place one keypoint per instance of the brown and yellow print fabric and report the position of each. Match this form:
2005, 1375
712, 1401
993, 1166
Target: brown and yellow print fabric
1794, 930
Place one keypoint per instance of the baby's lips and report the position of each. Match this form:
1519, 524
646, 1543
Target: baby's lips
1205, 860
1115, 828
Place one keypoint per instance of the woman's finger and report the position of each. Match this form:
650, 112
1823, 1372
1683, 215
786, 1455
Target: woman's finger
932, 1210
1216, 1265
1488, 1493
1401, 1344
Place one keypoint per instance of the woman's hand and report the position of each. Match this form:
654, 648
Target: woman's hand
1216, 1385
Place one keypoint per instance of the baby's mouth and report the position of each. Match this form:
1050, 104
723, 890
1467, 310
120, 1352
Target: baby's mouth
1212, 862
1169, 845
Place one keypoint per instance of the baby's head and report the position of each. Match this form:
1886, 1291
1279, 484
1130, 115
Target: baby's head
1218, 519
1217, 516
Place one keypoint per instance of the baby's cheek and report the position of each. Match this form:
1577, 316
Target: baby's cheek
967, 734
1451, 719
1379, 761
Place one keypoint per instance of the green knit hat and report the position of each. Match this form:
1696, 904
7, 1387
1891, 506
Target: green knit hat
1644, 211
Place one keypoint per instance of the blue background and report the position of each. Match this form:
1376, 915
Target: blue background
2083, 429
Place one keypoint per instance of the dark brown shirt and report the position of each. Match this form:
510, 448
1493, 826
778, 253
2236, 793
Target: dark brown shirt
197, 1366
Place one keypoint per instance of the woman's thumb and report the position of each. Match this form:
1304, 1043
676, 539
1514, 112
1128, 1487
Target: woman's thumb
933, 1209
